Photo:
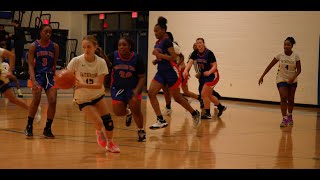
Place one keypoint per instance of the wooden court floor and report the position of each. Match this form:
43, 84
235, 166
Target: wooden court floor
247, 136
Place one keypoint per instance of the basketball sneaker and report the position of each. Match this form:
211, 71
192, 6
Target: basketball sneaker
161, 123
101, 139
196, 119
206, 116
221, 109
166, 112
113, 147
284, 123
141, 135
290, 120
201, 104
28, 131
47, 133
128, 118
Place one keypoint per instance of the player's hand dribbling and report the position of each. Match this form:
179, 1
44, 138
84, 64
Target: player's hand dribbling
78, 85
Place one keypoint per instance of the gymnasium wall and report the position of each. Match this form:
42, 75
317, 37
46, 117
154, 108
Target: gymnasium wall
244, 43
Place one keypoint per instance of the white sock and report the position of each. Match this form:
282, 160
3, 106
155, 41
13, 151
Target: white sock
285, 117
19, 91
289, 114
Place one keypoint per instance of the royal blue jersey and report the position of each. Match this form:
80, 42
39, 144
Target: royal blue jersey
44, 58
203, 59
125, 71
162, 47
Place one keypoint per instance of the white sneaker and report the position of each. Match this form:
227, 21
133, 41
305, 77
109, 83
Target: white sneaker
159, 124
196, 119
166, 111
38, 115
128, 118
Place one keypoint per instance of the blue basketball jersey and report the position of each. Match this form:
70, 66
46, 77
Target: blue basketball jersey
202, 61
163, 49
124, 72
44, 57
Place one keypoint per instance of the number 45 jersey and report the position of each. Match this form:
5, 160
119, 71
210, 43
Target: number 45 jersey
287, 66
88, 73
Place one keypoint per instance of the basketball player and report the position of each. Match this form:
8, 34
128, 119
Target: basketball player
127, 80
288, 71
184, 85
201, 83
5, 74
89, 93
101, 54
167, 74
42, 59
5, 68
209, 75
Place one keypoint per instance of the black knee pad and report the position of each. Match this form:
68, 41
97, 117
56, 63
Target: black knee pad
107, 122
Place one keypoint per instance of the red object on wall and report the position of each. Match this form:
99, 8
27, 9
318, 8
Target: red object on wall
101, 16
46, 21
134, 14
105, 25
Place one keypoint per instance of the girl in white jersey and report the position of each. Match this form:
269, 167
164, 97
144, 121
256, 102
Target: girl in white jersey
288, 71
90, 70
5, 74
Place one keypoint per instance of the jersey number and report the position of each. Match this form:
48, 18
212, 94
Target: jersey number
89, 81
124, 74
44, 61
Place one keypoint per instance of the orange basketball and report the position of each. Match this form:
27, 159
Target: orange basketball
64, 79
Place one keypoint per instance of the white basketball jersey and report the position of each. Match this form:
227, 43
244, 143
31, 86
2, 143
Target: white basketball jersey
287, 66
87, 73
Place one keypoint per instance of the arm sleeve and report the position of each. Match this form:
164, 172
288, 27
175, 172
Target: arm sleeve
297, 58
193, 55
168, 44
211, 57
72, 64
103, 68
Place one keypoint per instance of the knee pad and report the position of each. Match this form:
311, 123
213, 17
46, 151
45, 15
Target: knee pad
107, 122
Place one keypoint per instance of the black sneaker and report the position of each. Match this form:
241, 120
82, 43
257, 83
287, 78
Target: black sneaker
220, 110
47, 133
141, 135
20, 96
206, 116
28, 131
201, 104
128, 119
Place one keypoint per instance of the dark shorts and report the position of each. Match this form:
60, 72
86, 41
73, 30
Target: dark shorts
45, 80
122, 95
4, 87
285, 84
93, 102
169, 77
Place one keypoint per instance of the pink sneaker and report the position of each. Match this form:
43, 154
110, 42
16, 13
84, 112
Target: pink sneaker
113, 148
101, 139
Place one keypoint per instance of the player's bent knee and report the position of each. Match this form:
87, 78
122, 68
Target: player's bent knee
107, 122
